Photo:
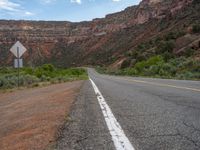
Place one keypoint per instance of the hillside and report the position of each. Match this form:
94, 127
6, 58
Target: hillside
111, 41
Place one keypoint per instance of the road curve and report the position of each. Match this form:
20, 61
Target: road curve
154, 114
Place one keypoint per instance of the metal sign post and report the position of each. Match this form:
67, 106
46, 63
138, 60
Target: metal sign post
18, 66
18, 50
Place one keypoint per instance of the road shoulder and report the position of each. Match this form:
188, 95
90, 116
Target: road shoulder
30, 118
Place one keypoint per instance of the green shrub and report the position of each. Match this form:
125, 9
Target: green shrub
28, 70
167, 56
173, 35
189, 52
140, 66
38, 72
141, 46
196, 28
153, 70
165, 46
11, 81
169, 68
129, 71
185, 75
7, 70
27, 80
48, 67
126, 63
196, 2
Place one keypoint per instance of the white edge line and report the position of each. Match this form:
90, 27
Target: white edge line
119, 138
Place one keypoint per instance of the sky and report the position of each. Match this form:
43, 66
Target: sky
61, 10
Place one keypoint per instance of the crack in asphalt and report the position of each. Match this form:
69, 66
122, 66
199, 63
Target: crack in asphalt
191, 126
191, 140
82, 139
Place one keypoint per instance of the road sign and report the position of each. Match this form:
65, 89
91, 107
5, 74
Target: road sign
18, 49
18, 63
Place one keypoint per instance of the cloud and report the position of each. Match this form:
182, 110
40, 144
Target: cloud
48, 1
116, 0
76, 1
9, 6
27, 13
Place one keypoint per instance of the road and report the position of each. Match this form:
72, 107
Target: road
153, 114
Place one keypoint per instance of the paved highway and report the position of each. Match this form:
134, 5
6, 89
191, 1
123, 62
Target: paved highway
133, 113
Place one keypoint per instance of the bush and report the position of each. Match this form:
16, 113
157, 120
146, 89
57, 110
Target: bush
189, 52
153, 70
196, 28
47, 70
38, 72
48, 67
11, 81
173, 35
186, 75
167, 56
140, 66
129, 71
126, 63
27, 80
196, 2
165, 46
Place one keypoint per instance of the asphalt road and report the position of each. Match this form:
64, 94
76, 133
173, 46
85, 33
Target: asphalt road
154, 114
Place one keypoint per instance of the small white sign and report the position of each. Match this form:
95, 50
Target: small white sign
18, 63
18, 49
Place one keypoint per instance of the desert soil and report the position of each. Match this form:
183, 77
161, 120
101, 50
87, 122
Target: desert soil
31, 118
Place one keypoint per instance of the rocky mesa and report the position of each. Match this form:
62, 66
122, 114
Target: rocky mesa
100, 41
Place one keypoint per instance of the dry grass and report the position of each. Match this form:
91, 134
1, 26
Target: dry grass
29, 119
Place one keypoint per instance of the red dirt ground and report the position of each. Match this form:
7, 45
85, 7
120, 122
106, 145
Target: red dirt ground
30, 119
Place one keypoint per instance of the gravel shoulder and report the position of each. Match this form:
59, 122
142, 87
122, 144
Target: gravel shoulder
30, 118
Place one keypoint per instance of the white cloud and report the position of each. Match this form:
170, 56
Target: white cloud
8, 5
47, 1
11, 8
116, 0
27, 13
76, 1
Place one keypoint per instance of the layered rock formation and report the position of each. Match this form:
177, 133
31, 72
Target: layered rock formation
101, 41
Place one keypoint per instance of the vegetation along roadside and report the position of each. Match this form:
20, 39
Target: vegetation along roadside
45, 74
158, 58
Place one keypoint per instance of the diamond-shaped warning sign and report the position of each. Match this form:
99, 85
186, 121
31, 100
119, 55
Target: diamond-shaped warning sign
18, 49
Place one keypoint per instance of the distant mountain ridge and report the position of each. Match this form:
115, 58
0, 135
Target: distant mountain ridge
102, 41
